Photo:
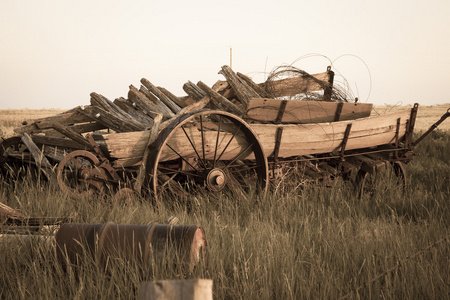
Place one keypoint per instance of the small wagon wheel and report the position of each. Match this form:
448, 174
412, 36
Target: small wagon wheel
207, 150
74, 173
394, 178
13, 145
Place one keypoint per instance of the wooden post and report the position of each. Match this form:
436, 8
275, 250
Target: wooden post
215, 96
142, 170
166, 100
189, 289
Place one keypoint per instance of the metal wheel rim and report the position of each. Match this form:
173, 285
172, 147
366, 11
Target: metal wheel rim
160, 145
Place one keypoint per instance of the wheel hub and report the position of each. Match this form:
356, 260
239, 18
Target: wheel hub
215, 180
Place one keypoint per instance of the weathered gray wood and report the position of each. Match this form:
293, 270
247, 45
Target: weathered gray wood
195, 106
69, 117
258, 89
242, 90
161, 107
71, 134
134, 112
177, 100
54, 153
187, 289
193, 91
56, 141
142, 170
222, 101
113, 109
111, 121
40, 159
138, 100
87, 127
166, 100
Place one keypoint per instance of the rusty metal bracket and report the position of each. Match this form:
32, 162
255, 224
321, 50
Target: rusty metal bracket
337, 115
281, 111
329, 89
277, 143
345, 139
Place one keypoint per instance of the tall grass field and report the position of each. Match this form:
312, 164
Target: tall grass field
298, 242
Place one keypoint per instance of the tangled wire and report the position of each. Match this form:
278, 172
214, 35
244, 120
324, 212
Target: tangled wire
310, 88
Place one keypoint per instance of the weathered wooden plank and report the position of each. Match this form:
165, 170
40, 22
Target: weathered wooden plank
193, 91
71, 134
257, 88
134, 112
66, 118
303, 112
111, 121
177, 100
161, 96
222, 101
296, 85
243, 91
109, 106
160, 106
56, 141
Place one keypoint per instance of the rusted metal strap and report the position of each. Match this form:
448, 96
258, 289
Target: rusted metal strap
397, 137
345, 139
433, 127
337, 115
277, 143
281, 111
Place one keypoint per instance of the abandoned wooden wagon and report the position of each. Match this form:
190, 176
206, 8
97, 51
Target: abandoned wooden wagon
234, 136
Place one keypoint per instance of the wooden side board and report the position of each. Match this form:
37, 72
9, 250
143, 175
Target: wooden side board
303, 112
297, 139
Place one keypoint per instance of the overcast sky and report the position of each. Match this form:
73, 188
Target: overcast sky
54, 53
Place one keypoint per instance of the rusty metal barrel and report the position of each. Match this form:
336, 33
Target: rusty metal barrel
141, 242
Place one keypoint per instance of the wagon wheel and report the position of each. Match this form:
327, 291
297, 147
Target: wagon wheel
74, 173
207, 150
13, 145
392, 180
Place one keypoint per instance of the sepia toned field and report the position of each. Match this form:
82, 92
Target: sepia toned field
299, 242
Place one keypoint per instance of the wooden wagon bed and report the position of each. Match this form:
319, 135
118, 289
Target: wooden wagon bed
127, 149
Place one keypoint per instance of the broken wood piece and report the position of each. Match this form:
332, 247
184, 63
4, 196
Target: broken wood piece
71, 134
257, 88
109, 120
113, 109
142, 170
177, 100
133, 111
243, 91
7, 212
161, 96
215, 96
160, 106
193, 91
40, 159
195, 106
57, 142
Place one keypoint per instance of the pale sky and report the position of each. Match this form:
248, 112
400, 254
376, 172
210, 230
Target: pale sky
54, 53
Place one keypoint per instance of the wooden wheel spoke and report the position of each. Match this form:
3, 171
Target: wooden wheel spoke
169, 171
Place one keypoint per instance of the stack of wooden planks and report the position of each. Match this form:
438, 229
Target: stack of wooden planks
152, 107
